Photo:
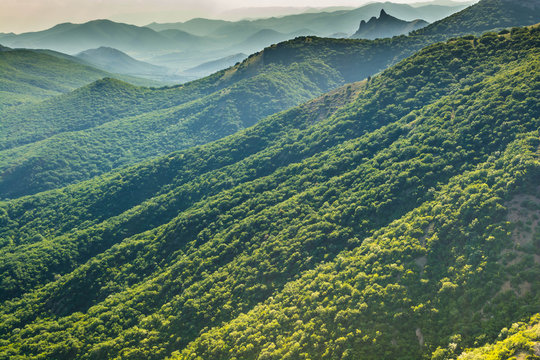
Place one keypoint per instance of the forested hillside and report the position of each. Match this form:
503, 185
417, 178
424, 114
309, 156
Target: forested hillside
116, 125
109, 123
520, 341
392, 218
33, 75
490, 14
26, 76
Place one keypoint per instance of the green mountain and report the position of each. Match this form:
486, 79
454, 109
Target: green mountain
198, 41
387, 219
386, 26
69, 139
520, 341
74, 38
30, 76
506, 13
109, 124
267, 37
115, 61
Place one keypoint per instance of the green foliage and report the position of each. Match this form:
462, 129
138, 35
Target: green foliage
109, 124
520, 341
487, 15
370, 223
26, 75
33, 75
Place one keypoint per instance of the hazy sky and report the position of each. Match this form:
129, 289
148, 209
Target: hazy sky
30, 15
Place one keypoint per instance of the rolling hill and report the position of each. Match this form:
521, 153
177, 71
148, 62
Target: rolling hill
390, 218
200, 40
74, 38
109, 124
115, 61
30, 76
505, 13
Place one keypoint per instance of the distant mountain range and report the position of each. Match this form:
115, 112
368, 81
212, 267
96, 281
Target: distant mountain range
386, 26
320, 23
185, 45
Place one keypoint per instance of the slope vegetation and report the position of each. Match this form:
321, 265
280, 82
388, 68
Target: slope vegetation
384, 220
34, 75
108, 124
29, 76
520, 341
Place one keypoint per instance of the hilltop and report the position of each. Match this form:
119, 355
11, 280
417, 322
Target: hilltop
115, 61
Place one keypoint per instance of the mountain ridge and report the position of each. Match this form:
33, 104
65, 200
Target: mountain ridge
386, 26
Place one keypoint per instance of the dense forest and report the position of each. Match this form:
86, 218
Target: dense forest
396, 217
520, 341
110, 124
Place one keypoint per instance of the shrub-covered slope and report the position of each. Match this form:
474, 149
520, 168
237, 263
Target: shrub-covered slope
26, 75
384, 220
33, 75
109, 124
487, 15
520, 341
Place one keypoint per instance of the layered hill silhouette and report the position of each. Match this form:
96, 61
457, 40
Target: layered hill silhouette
386, 26
74, 38
201, 40
115, 61
321, 23
390, 218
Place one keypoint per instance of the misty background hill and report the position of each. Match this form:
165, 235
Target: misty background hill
183, 46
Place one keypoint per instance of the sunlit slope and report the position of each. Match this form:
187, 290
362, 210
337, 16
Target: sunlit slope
313, 233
